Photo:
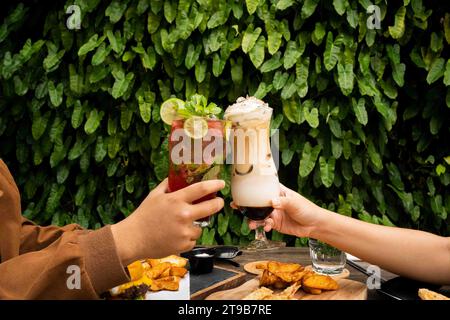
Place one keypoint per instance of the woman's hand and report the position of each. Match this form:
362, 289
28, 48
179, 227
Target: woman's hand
163, 223
293, 214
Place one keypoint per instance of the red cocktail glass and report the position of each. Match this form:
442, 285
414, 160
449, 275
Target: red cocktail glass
196, 157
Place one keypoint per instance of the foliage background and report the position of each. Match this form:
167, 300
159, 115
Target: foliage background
363, 114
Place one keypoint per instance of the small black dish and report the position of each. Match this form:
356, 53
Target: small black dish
201, 260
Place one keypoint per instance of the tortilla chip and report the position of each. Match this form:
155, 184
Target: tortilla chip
311, 290
319, 281
426, 294
292, 289
258, 294
275, 266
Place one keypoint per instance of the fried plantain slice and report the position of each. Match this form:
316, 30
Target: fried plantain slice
318, 281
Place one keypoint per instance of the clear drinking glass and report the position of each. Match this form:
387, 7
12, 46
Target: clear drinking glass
325, 258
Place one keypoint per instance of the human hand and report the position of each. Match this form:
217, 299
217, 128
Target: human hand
163, 223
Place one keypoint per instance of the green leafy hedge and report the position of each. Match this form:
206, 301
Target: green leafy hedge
363, 114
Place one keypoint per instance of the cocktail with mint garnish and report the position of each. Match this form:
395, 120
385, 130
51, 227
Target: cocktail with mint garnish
196, 143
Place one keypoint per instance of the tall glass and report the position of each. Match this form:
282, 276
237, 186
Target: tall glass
196, 153
254, 179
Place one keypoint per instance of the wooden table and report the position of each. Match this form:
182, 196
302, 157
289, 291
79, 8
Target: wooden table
298, 255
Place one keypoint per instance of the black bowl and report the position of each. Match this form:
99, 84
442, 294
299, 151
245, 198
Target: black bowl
201, 260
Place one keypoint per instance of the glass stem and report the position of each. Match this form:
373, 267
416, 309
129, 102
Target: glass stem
260, 234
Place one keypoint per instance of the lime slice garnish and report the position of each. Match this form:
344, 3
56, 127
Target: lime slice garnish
196, 127
168, 111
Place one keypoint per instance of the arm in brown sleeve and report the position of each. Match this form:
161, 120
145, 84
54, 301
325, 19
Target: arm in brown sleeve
34, 237
49, 273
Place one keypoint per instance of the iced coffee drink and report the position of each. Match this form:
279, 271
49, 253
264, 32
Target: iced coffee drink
254, 181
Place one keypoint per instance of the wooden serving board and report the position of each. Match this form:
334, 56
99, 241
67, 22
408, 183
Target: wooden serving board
219, 279
348, 290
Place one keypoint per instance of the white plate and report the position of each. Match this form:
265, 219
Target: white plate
183, 293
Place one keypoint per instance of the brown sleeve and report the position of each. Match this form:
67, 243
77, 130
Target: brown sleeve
34, 237
49, 273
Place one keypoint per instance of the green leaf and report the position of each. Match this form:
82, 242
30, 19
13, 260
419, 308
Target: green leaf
436, 70
114, 145
336, 147
302, 73
218, 65
291, 55
115, 10
335, 127
308, 8
55, 93
90, 45
192, 55
345, 78
440, 169
52, 61
286, 156
245, 230
318, 33
284, 4
250, 37
252, 5
145, 108
291, 109
257, 52
274, 40
311, 116
236, 71
100, 149
93, 121
121, 84
170, 10
200, 70
331, 53
20, 87
222, 220
327, 171
352, 18
340, 6
308, 159
53, 200
447, 74
153, 22
280, 79
374, 156
398, 29
360, 111
218, 18
75, 81
263, 90
39, 124
101, 54
77, 115
272, 64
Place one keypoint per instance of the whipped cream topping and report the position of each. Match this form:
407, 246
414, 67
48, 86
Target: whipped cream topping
246, 109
